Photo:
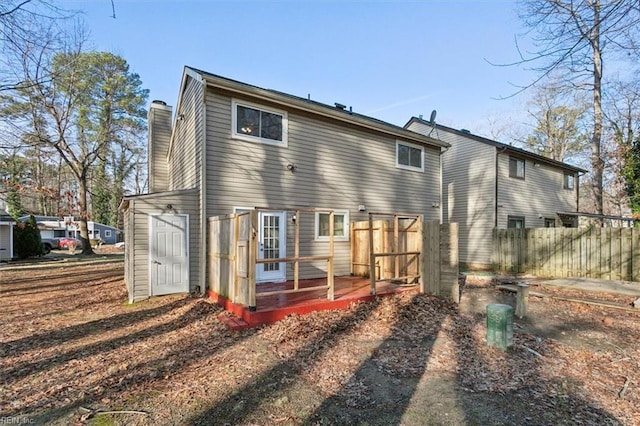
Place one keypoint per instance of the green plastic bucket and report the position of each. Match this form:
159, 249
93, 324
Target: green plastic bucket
499, 325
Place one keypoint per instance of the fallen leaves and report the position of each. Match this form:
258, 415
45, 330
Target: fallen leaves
69, 341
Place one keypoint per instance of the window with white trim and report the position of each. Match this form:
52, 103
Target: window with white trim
409, 156
569, 181
516, 167
340, 225
107, 233
255, 123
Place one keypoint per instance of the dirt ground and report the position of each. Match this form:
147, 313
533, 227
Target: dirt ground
73, 350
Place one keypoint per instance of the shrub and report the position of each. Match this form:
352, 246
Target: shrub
26, 239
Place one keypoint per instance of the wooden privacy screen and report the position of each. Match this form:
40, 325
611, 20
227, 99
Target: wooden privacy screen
230, 268
405, 267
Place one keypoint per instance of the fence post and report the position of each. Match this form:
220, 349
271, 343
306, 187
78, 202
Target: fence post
372, 258
522, 300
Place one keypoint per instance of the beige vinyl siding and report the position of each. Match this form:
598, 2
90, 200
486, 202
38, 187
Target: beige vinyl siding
337, 167
137, 265
129, 258
468, 175
541, 194
159, 123
185, 154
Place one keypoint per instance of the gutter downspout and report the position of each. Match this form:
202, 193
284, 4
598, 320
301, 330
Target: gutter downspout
578, 190
442, 151
203, 194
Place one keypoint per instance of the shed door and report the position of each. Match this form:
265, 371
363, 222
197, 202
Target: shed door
168, 254
272, 245
6, 241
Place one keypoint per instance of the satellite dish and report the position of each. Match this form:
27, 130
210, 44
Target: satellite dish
432, 119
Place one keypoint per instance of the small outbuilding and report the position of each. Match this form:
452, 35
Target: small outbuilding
6, 237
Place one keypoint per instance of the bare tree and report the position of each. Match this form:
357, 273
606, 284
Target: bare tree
572, 39
623, 118
558, 124
21, 22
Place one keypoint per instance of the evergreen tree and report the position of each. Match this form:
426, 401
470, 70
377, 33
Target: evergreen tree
26, 239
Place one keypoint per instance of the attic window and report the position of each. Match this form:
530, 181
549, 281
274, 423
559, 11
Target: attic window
258, 124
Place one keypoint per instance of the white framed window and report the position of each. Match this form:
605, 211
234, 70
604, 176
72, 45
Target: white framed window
256, 123
340, 225
516, 167
568, 181
107, 233
409, 156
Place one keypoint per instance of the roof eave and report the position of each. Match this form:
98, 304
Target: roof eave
499, 145
316, 108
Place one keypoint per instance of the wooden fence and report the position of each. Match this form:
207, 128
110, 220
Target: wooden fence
404, 237
604, 253
435, 266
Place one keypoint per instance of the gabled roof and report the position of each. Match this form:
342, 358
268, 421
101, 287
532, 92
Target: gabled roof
318, 108
507, 148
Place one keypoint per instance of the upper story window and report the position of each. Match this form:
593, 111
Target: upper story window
258, 124
569, 181
516, 167
409, 156
340, 225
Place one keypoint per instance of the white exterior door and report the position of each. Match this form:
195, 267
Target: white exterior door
272, 244
168, 254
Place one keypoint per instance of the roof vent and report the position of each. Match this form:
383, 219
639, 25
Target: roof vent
340, 106
465, 131
159, 102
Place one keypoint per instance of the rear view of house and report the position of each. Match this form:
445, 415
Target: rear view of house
488, 184
231, 147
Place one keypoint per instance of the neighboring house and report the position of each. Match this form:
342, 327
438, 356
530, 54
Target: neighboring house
49, 226
6, 237
488, 184
55, 227
97, 231
232, 147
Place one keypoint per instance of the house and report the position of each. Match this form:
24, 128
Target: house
488, 184
6, 237
232, 147
97, 231
49, 226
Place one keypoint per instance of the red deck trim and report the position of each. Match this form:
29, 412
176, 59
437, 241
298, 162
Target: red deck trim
352, 290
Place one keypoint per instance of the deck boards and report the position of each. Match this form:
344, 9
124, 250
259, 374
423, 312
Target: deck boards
272, 308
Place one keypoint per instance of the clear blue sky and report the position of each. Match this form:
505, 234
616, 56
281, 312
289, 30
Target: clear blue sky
387, 59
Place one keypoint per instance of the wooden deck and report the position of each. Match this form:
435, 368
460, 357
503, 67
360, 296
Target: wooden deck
275, 307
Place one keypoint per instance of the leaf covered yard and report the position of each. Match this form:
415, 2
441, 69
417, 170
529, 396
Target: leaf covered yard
73, 352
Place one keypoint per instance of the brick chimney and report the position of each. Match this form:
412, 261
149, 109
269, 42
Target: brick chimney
159, 122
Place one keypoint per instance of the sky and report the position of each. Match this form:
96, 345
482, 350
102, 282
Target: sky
390, 60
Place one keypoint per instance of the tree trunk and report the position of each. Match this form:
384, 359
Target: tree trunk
597, 162
84, 215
